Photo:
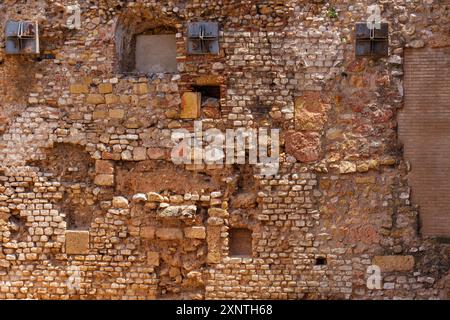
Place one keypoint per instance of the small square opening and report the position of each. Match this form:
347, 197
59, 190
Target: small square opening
240, 242
210, 100
321, 261
208, 91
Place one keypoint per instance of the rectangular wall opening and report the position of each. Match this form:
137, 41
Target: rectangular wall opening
240, 242
156, 53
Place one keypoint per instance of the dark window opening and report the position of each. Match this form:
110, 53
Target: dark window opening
321, 261
208, 91
371, 42
240, 242
210, 100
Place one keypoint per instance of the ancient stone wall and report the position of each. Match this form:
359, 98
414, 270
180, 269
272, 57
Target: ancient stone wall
92, 206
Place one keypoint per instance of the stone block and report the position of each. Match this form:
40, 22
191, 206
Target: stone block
124, 99
147, 232
169, 234
116, 113
105, 88
214, 242
78, 88
365, 180
305, 147
156, 153
347, 167
196, 232
209, 80
95, 99
99, 114
140, 88
153, 258
120, 202
111, 98
190, 105
394, 263
104, 166
104, 179
77, 242
139, 153
217, 212
155, 197
179, 212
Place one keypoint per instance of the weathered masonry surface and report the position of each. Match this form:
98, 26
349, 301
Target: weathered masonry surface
92, 207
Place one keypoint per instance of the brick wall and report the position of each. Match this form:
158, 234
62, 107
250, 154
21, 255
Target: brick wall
424, 128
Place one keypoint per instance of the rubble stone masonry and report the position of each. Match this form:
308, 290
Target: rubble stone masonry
92, 207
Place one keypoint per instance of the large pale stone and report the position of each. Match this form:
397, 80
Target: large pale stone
153, 258
196, 232
95, 99
140, 197
139, 153
347, 167
105, 88
116, 113
77, 242
140, 88
217, 212
215, 221
154, 197
169, 234
100, 114
104, 179
111, 98
120, 202
182, 212
394, 263
79, 88
190, 105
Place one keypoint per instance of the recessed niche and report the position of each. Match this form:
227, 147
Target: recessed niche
145, 46
321, 261
156, 53
210, 100
208, 91
240, 242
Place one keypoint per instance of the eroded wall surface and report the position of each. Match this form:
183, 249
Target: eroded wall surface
92, 207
